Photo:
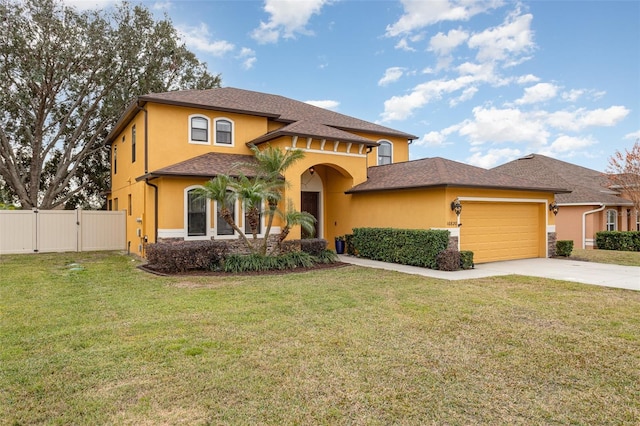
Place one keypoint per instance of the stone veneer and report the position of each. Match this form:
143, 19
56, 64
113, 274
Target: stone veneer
551, 243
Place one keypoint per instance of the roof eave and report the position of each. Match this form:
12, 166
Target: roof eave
457, 185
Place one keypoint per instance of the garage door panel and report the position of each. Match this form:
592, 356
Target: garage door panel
501, 231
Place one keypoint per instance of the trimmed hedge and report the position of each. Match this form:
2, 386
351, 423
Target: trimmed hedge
313, 246
182, 256
564, 248
414, 247
618, 240
466, 259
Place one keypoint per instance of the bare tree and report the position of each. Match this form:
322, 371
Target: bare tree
624, 173
65, 78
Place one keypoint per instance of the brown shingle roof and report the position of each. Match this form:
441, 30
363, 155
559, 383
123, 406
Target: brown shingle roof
267, 105
434, 172
587, 186
207, 165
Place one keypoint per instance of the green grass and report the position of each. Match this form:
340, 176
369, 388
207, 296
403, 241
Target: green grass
628, 258
102, 342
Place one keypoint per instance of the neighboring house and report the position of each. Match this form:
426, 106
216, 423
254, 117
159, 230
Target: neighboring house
354, 174
590, 207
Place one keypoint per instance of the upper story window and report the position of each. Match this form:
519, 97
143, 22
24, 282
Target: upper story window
612, 220
384, 153
637, 220
198, 129
224, 132
133, 143
115, 160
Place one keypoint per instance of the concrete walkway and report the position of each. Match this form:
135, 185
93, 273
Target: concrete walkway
626, 277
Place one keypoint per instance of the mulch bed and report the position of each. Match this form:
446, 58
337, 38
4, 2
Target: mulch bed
203, 273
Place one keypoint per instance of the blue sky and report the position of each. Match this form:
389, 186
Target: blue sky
481, 82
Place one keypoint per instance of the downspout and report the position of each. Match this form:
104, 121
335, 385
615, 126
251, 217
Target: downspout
146, 171
155, 209
584, 224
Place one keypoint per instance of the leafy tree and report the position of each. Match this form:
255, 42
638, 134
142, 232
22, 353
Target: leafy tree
252, 192
65, 78
624, 172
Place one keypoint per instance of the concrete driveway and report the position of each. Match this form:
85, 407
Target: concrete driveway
626, 277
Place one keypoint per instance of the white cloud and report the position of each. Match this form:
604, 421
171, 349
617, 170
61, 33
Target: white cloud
402, 107
287, 18
402, 44
419, 13
466, 95
526, 79
443, 44
581, 118
248, 58
493, 157
197, 38
539, 93
504, 42
391, 75
633, 135
567, 144
326, 104
504, 125
162, 5
572, 95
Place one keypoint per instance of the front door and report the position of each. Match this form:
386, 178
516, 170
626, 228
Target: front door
310, 204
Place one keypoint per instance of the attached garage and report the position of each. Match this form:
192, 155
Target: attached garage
497, 231
502, 217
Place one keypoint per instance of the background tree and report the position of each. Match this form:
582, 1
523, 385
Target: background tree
624, 172
65, 78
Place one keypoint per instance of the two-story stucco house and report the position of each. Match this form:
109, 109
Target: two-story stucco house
354, 174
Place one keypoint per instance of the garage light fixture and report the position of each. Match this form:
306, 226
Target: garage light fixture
311, 170
553, 207
456, 206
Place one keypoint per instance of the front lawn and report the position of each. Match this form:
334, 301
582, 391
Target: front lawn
627, 258
86, 338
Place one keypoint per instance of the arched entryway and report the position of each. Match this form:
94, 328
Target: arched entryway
311, 199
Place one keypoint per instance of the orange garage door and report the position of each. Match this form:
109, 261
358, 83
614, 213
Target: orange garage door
502, 231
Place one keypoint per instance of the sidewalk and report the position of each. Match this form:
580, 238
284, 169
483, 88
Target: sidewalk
625, 277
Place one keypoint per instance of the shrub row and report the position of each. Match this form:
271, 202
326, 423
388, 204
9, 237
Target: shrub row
183, 256
414, 247
618, 240
564, 248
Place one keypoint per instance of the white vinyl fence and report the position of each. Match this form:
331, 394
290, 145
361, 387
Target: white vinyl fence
29, 231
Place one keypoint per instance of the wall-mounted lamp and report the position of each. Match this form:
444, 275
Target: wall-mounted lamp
553, 207
456, 206
311, 170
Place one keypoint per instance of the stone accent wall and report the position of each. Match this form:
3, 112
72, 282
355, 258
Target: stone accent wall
551, 243
453, 243
236, 246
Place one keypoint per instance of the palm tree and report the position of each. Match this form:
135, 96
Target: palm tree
220, 189
271, 163
292, 218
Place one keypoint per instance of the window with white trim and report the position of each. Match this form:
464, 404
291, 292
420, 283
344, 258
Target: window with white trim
196, 214
198, 129
612, 220
385, 150
223, 132
222, 227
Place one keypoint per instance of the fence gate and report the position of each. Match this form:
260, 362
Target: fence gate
29, 231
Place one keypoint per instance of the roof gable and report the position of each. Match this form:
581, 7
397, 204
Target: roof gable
587, 186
